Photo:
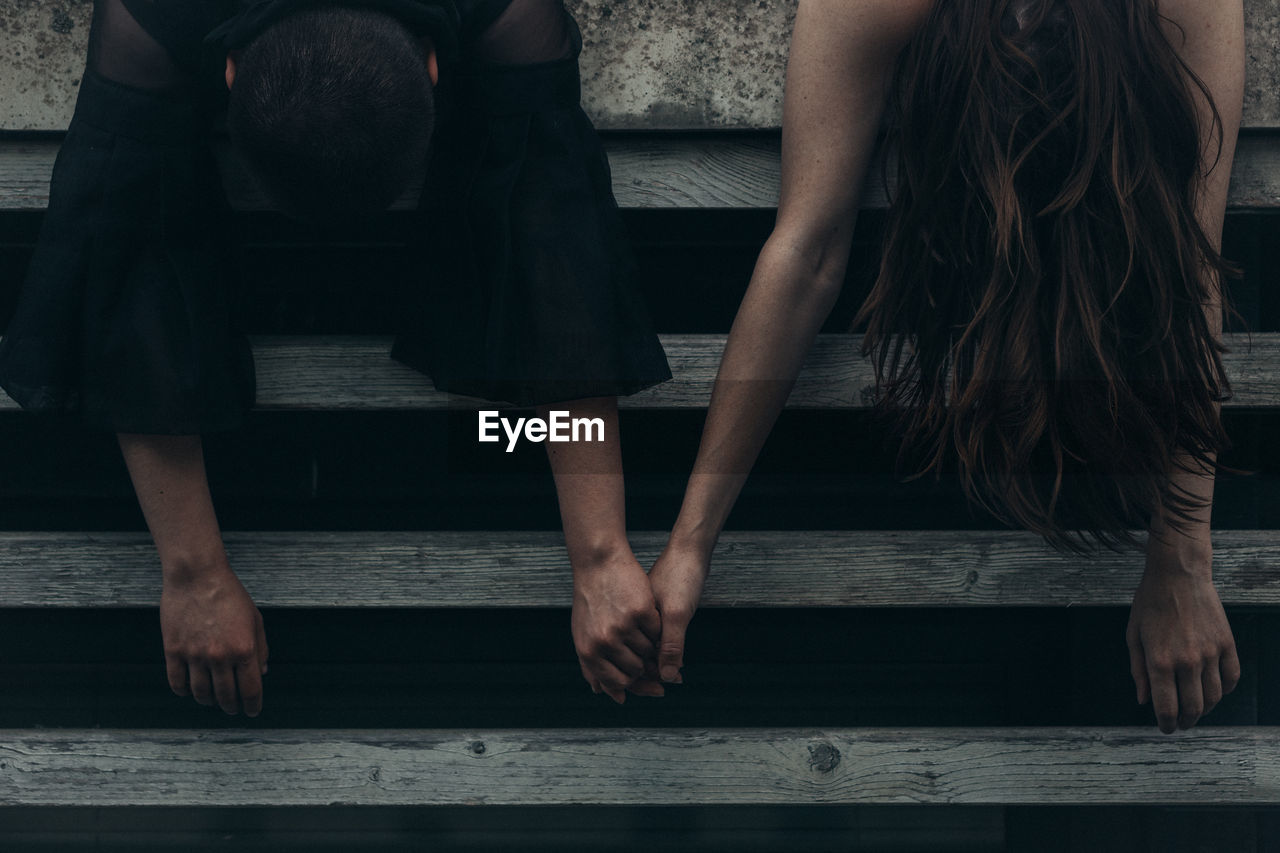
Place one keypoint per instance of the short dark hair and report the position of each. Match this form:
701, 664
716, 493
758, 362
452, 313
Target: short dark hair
332, 111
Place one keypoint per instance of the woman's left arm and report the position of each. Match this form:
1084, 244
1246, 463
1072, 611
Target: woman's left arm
1181, 651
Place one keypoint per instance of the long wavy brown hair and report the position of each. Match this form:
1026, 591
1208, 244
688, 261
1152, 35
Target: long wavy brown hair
1038, 324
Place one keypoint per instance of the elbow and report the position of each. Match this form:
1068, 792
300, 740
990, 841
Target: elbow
815, 264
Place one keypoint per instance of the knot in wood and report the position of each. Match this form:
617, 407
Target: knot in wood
477, 747
823, 757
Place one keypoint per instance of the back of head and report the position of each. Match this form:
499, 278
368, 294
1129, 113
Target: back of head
332, 111
1044, 262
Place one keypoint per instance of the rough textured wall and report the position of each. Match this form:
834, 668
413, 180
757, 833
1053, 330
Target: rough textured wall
41, 56
683, 64
647, 64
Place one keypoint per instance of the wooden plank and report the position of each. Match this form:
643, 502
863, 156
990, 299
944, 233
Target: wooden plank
454, 569
300, 373
309, 373
706, 172
436, 767
1255, 174
717, 64
678, 172
709, 172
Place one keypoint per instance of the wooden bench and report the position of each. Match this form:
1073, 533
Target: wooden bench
709, 141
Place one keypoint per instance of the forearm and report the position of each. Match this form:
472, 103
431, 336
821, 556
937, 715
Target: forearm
590, 487
1182, 544
1187, 550
839, 70
1209, 37
615, 624
169, 477
775, 328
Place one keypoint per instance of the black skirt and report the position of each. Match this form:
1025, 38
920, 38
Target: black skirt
529, 292
124, 315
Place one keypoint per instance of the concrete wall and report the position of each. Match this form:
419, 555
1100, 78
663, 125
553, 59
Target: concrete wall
647, 64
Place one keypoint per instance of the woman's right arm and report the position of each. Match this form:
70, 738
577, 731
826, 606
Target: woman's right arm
841, 61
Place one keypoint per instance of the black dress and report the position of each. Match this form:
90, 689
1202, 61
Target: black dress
528, 289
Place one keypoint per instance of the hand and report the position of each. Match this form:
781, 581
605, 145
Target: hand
676, 579
615, 627
1181, 651
214, 644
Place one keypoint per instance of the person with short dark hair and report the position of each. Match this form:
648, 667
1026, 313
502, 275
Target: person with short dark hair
528, 292
331, 109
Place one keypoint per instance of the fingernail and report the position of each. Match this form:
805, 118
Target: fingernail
670, 673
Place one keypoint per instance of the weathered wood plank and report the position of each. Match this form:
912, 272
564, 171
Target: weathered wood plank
529, 569
435, 767
739, 171
711, 172
645, 65
304, 373
342, 373
684, 172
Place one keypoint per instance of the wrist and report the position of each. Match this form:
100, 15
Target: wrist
1177, 555
597, 556
698, 539
188, 569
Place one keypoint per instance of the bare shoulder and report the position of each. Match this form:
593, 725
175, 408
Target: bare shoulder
1203, 26
1200, 13
887, 22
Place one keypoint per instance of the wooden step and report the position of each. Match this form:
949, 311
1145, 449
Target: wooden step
656, 172
299, 373
714, 64
456, 569
312, 767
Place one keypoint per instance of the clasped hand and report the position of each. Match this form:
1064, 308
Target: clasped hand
629, 630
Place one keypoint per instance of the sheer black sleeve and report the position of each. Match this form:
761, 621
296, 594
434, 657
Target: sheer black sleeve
530, 293
123, 317
521, 32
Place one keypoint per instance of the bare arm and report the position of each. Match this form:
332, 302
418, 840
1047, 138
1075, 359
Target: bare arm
841, 59
615, 623
214, 644
1182, 654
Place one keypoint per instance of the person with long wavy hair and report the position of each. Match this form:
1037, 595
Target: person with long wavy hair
1046, 321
